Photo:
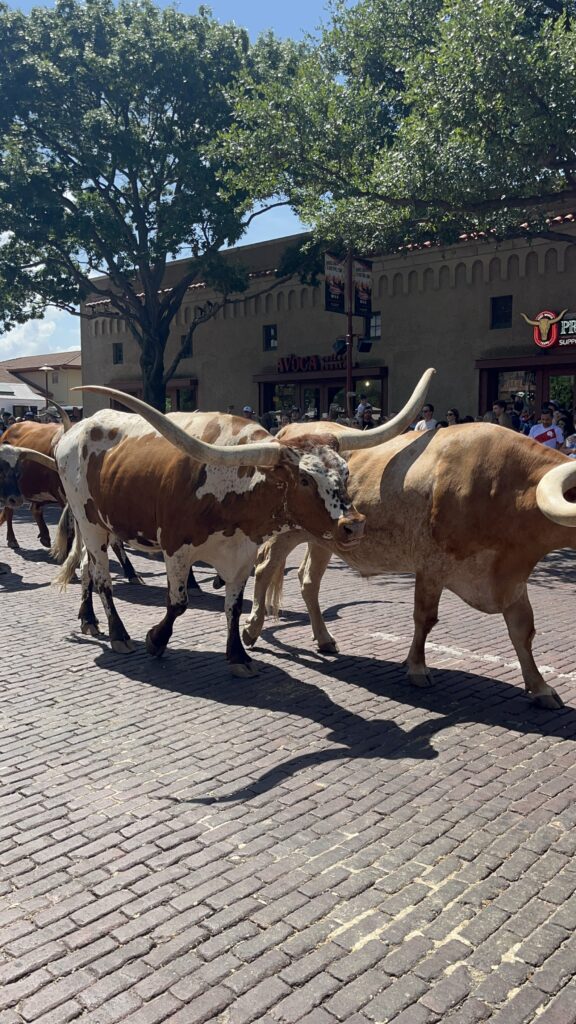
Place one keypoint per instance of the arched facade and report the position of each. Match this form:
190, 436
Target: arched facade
457, 308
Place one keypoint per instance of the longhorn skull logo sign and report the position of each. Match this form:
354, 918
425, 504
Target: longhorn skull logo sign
545, 326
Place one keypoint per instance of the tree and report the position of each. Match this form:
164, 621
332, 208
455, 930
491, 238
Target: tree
424, 119
110, 163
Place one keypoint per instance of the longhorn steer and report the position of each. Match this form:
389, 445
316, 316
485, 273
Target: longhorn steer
13, 464
196, 500
41, 486
471, 509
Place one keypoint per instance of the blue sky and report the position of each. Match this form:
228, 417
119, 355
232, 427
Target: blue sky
59, 331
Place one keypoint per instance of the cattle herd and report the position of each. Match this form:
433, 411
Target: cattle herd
471, 509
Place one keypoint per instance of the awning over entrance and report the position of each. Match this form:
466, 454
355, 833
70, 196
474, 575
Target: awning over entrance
12, 395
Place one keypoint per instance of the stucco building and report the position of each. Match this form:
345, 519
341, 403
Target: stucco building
457, 308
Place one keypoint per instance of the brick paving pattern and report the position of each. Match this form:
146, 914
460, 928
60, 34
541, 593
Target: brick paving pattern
320, 844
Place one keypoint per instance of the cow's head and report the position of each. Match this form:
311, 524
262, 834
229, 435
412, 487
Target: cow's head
11, 462
9, 486
317, 489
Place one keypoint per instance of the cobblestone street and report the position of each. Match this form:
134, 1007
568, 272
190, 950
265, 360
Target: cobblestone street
320, 844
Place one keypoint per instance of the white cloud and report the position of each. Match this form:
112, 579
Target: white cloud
57, 332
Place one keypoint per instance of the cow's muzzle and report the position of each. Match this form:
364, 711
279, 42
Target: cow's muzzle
350, 530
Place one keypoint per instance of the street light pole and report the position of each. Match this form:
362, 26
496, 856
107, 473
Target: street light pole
349, 336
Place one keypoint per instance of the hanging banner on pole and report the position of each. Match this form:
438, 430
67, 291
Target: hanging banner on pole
335, 284
362, 285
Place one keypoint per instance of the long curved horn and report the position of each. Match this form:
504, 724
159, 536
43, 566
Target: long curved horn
43, 460
66, 421
264, 453
533, 323
352, 440
550, 494
559, 317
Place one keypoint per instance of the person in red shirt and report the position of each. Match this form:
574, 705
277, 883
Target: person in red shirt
546, 431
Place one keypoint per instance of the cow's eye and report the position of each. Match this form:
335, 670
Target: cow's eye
304, 481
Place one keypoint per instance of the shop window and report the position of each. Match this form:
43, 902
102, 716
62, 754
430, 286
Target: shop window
374, 326
118, 353
270, 336
186, 342
517, 384
500, 312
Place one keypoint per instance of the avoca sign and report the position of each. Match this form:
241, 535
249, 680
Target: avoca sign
553, 328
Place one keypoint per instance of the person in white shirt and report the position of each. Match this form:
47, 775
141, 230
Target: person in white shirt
546, 431
427, 422
360, 408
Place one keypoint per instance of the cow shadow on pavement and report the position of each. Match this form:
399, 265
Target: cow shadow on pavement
153, 594
457, 699
461, 696
559, 566
204, 674
12, 581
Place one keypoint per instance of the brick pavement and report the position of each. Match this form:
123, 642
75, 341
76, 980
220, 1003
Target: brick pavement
321, 844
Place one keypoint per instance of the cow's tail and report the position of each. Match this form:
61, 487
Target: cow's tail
71, 563
275, 591
2, 516
64, 537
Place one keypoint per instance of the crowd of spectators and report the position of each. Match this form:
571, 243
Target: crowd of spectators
553, 426
49, 415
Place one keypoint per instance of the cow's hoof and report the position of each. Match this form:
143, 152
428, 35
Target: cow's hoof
244, 670
45, 541
422, 680
90, 629
13, 544
328, 646
218, 583
551, 701
136, 579
155, 650
123, 646
4, 568
247, 639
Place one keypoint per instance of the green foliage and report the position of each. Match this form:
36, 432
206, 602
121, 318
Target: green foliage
109, 160
414, 119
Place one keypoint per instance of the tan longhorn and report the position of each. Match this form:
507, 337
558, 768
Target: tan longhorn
544, 323
471, 509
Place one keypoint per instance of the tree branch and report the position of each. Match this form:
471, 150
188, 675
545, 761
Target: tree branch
264, 209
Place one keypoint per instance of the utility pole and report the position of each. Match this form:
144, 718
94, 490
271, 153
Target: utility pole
349, 336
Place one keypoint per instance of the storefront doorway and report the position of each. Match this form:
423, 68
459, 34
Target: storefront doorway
551, 377
321, 398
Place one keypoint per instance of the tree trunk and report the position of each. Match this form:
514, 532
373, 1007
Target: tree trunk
152, 366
